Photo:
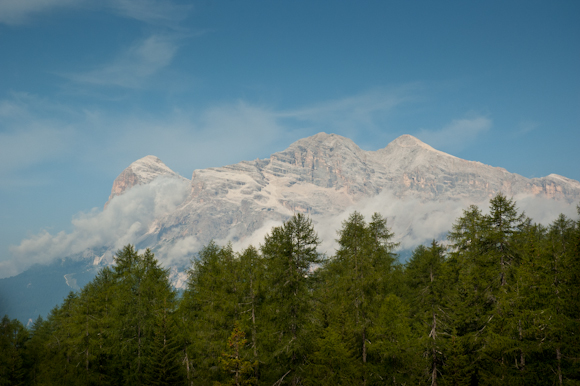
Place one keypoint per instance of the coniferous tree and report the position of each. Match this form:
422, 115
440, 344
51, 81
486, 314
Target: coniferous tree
239, 370
37, 352
143, 287
210, 306
164, 356
429, 304
13, 338
290, 253
252, 293
360, 277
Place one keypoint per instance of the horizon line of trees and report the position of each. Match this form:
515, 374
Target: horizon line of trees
498, 306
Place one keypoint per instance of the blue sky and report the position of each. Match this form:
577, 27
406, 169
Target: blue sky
87, 89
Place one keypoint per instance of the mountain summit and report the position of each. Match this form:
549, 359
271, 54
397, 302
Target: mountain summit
140, 172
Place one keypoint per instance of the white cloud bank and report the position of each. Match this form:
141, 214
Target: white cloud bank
126, 219
415, 221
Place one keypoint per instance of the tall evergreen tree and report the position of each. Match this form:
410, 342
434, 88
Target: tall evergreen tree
13, 338
362, 268
290, 253
239, 370
164, 354
210, 306
429, 304
144, 286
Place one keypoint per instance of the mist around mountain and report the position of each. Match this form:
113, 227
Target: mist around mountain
420, 190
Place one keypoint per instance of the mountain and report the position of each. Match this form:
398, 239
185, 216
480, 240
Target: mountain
324, 175
419, 189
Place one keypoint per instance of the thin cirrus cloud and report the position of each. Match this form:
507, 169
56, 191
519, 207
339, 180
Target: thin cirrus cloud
14, 12
134, 67
351, 115
456, 135
30, 134
151, 11
164, 13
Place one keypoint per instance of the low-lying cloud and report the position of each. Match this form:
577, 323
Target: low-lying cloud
125, 220
128, 218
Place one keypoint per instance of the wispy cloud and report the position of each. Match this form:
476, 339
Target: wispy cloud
151, 11
353, 115
458, 134
164, 13
30, 135
526, 127
14, 12
133, 67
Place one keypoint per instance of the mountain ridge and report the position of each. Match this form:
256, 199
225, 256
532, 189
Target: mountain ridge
421, 191
324, 175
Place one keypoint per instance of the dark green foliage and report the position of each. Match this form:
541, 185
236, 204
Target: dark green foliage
238, 370
13, 337
427, 278
164, 354
290, 252
210, 307
332, 361
499, 306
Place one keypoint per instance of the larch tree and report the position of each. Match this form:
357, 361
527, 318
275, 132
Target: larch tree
290, 252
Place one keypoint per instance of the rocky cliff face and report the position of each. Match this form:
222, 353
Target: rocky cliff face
323, 175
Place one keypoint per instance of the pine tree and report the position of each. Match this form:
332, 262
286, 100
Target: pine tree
252, 290
13, 338
290, 252
210, 305
426, 278
143, 287
360, 277
36, 348
456, 369
164, 368
332, 361
239, 370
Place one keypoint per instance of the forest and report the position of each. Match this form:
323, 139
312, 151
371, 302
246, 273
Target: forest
497, 303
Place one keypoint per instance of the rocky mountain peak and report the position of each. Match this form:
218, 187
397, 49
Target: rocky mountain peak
321, 148
323, 142
407, 140
140, 172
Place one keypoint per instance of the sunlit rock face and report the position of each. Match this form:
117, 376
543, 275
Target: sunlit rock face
139, 172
